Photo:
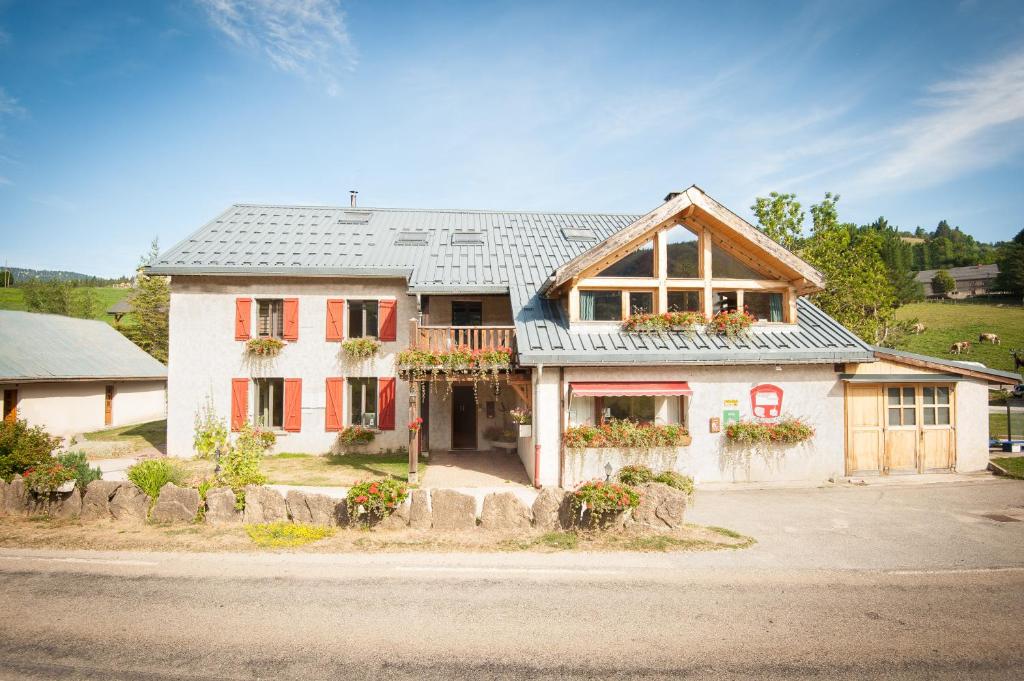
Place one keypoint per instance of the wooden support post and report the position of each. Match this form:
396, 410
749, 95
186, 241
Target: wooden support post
414, 334
414, 435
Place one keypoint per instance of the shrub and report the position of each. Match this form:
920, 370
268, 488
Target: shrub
211, 432
356, 435
241, 465
604, 500
265, 347
788, 430
47, 477
22, 447
286, 535
152, 474
360, 348
683, 483
730, 323
377, 499
79, 465
626, 433
635, 475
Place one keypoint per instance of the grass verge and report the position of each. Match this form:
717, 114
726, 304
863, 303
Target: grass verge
335, 470
1013, 465
286, 535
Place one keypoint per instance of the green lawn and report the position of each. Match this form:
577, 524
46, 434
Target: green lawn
12, 299
949, 322
336, 470
997, 425
1013, 465
133, 438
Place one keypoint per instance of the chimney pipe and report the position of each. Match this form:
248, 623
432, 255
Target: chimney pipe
352, 198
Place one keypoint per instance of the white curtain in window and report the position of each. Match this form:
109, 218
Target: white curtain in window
581, 411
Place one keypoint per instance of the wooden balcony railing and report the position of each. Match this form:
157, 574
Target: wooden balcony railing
442, 338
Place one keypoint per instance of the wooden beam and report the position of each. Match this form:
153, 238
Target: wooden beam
939, 366
706, 268
414, 435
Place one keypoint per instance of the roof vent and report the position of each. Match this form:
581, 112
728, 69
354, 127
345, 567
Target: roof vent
351, 217
467, 239
412, 239
577, 234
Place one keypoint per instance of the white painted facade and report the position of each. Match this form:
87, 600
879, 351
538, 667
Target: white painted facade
69, 408
972, 434
204, 355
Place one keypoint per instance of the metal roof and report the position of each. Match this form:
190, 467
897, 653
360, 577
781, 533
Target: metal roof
520, 251
958, 273
44, 347
890, 353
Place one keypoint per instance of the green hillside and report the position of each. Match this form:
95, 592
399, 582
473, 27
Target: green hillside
12, 299
949, 322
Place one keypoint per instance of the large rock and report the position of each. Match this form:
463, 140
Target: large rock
504, 511
16, 496
96, 501
264, 505
419, 510
176, 504
552, 509
64, 505
130, 504
220, 507
451, 510
661, 507
3, 498
398, 520
298, 510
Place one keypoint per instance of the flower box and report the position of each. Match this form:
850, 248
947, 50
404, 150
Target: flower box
525, 430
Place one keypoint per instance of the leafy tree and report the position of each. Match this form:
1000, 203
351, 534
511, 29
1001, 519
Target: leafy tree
1011, 266
780, 217
857, 291
943, 283
59, 296
150, 305
898, 257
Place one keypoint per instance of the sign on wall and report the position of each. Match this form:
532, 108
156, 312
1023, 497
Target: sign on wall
766, 401
730, 412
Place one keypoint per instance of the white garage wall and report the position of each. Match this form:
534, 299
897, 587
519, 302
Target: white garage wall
971, 426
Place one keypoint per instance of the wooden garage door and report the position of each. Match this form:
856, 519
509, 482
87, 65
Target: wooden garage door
899, 428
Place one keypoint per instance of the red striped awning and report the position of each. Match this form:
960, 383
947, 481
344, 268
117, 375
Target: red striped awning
629, 388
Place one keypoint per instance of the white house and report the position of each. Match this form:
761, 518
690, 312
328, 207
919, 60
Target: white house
561, 291
72, 376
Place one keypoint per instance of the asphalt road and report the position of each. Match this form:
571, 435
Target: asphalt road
758, 613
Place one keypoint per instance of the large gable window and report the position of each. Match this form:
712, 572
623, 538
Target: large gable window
639, 263
600, 306
641, 302
724, 265
684, 301
682, 248
763, 306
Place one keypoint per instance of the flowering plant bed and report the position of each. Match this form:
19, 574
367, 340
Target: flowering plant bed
265, 347
47, 478
626, 433
451, 364
731, 323
601, 501
372, 501
360, 348
523, 417
788, 430
415, 425
667, 321
356, 435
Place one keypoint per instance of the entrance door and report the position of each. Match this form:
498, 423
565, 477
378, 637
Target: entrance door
10, 404
463, 417
467, 313
901, 433
108, 406
866, 438
937, 444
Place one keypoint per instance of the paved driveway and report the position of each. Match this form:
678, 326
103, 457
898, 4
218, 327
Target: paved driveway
935, 526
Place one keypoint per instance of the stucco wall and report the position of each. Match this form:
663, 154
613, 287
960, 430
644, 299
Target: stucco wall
74, 407
812, 392
971, 426
204, 356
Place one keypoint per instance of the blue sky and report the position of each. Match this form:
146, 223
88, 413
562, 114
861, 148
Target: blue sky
122, 121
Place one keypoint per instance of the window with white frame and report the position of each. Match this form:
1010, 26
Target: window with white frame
659, 410
362, 402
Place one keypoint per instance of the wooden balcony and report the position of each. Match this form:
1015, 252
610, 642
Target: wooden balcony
443, 338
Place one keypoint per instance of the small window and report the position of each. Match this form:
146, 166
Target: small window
682, 253
578, 234
362, 318
269, 403
935, 411
412, 239
363, 402
641, 302
684, 301
902, 406
600, 306
467, 313
467, 239
639, 263
724, 265
763, 306
270, 322
723, 301
639, 409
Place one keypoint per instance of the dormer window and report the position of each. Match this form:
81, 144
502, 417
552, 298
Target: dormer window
601, 306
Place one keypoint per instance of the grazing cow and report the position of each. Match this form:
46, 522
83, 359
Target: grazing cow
989, 338
961, 348
918, 328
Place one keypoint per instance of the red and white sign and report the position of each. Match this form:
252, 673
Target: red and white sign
766, 401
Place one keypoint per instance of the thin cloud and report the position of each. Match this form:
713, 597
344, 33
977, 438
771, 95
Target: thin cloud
5, 180
308, 38
9, 105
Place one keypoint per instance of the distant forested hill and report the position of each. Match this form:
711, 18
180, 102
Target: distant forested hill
20, 274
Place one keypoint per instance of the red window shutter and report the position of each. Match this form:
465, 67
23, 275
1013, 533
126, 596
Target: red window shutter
290, 307
335, 393
386, 419
293, 404
239, 402
386, 320
335, 319
243, 318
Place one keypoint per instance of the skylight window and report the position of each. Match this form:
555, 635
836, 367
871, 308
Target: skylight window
578, 234
467, 238
350, 217
412, 239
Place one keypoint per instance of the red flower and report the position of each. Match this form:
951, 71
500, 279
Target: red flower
361, 499
374, 489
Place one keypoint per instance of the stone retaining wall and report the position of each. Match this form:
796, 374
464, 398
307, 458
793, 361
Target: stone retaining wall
661, 507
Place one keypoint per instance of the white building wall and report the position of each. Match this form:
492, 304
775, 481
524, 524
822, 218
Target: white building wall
204, 355
971, 426
73, 407
811, 392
